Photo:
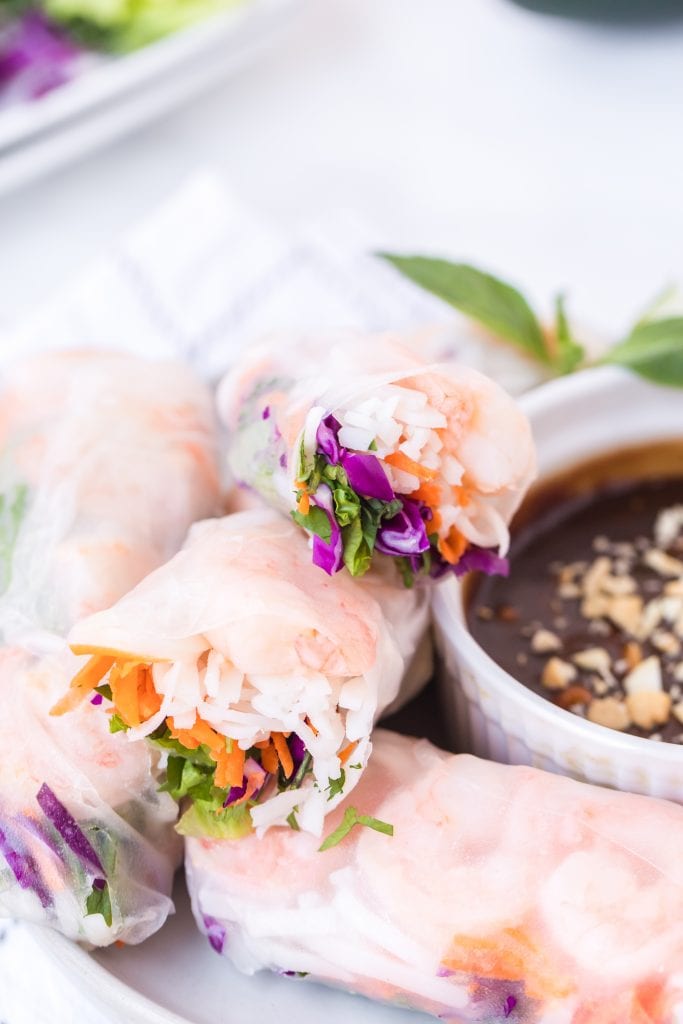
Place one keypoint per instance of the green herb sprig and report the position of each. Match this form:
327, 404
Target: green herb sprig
653, 348
350, 820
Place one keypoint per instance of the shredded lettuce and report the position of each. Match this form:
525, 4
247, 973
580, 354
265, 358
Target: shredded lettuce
99, 901
208, 819
12, 510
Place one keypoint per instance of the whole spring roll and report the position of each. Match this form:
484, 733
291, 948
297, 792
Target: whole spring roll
87, 843
105, 460
503, 894
259, 675
374, 450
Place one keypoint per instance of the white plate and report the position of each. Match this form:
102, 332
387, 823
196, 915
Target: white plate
176, 978
119, 94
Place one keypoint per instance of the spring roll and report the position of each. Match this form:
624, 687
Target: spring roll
105, 460
259, 675
376, 451
503, 894
87, 844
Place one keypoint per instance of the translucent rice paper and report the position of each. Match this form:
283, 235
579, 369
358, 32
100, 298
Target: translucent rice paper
504, 893
289, 651
460, 428
114, 834
105, 460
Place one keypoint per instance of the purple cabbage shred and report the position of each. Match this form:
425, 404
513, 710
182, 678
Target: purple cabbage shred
215, 932
35, 56
66, 825
364, 470
266, 413
509, 1005
328, 555
25, 870
405, 533
297, 749
97, 699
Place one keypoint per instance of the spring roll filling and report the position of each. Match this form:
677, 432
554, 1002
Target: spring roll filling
384, 474
249, 749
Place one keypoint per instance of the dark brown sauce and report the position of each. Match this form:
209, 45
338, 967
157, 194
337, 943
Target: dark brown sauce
616, 497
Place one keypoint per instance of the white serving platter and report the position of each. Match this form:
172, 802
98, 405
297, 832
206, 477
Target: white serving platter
115, 95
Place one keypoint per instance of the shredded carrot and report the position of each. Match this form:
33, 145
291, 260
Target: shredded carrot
83, 682
149, 700
269, 758
303, 505
453, 546
430, 493
229, 767
310, 725
401, 461
124, 693
463, 496
345, 754
283, 753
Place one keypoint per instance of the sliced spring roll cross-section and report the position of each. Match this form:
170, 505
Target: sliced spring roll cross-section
87, 844
503, 894
260, 676
374, 450
105, 461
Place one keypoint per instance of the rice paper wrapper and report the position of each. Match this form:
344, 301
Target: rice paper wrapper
505, 893
105, 461
244, 634
87, 843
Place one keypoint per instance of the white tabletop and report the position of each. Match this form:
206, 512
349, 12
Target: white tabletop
545, 149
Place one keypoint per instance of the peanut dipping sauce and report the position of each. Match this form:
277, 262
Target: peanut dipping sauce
591, 616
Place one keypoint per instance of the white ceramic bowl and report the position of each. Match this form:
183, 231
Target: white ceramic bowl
492, 714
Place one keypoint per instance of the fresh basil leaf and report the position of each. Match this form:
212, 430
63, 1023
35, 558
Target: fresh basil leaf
99, 902
357, 554
654, 350
569, 353
210, 819
350, 819
336, 786
315, 522
480, 296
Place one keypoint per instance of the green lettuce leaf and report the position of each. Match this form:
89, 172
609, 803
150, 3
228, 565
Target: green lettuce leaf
207, 818
12, 510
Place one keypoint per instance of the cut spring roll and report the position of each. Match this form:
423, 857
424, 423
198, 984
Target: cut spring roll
105, 460
503, 894
259, 675
374, 450
87, 844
